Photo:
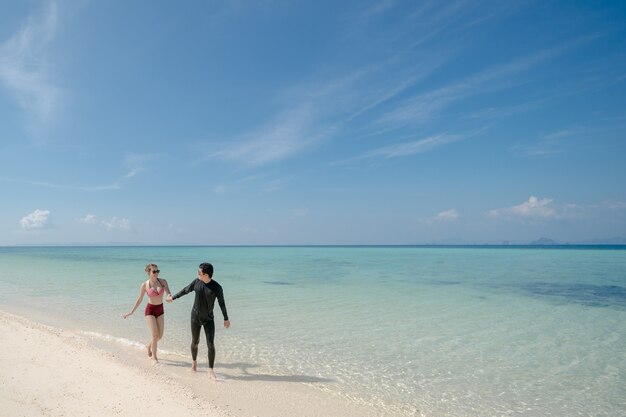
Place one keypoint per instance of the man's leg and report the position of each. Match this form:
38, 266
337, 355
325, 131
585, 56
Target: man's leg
209, 332
195, 340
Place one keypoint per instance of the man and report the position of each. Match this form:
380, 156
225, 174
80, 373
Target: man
207, 291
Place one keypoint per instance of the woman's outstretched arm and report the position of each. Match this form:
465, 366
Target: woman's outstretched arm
142, 291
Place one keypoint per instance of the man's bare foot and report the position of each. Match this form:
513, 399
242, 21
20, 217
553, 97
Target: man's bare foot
194, 366
212, 375
149, 346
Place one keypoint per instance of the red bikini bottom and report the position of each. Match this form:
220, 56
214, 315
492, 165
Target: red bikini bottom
155, 310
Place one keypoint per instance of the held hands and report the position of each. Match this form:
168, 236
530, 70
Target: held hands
227, 323
169, 298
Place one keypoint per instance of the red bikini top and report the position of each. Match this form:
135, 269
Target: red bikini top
154, 292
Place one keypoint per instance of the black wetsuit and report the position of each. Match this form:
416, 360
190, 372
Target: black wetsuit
202, 314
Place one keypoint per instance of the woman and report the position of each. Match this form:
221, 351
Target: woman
155, 288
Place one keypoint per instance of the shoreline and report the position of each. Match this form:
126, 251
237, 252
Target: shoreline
50, 371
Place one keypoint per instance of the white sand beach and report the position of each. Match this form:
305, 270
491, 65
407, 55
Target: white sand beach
46, 371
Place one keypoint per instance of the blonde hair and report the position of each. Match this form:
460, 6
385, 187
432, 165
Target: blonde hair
150, 267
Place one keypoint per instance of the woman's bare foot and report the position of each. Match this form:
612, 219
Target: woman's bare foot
149, 346
155, 361
194, 366
212, 375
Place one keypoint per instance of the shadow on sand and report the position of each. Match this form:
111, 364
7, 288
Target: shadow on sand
246, 374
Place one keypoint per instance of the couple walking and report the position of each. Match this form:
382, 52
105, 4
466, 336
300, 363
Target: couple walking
207, 291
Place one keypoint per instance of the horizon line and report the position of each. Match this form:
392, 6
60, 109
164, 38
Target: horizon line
409, 245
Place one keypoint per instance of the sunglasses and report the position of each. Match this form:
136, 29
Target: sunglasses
156, 271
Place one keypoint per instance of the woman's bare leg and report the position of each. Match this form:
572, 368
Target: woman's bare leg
154, 332
161, 325
160, 321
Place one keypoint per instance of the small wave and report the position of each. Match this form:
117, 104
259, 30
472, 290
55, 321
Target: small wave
123, 341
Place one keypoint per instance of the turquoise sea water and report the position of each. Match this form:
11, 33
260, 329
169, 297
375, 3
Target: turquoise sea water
432, 331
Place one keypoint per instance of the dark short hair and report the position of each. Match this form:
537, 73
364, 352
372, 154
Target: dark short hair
206, 268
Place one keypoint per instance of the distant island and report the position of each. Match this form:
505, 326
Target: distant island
605, 241
542, 241
545, 241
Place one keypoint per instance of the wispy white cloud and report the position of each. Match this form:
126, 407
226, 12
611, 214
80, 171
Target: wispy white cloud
311, 113
614, 205
117, 223
413, 147
427, 20
434, 18
423, 106
136, 162
87, 219
38, 219
446, 216
290, 135
61, 186
404, 149
379, 6
25, 70
567, 139
133, 172
560, 134
534, 208
445, 25
257, 184
505, 111
539, 210
542, 149
378, 93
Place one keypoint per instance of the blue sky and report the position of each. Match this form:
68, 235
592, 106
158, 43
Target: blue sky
312, 122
